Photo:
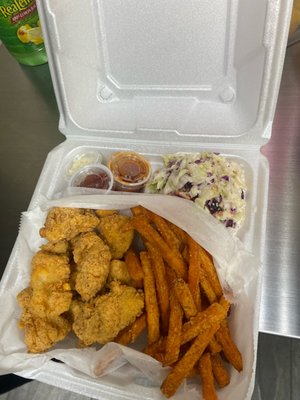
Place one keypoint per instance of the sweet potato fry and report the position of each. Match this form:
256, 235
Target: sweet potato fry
164, 229
185, 298
184, 366
229, 348
131, 332
157, 347
174, 334
210, 271
159, 357
185, 253
150, 299
192, 373
215, 313
194, 271
207, 378
134, 268
214, 346
171, 256
180, 234
138, 210
161, 284
206, 287
225, 304
221, 374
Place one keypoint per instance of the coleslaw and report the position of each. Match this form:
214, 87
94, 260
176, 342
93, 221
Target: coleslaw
213, 182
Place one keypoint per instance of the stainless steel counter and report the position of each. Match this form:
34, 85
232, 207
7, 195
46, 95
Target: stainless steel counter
29, 130
281, 279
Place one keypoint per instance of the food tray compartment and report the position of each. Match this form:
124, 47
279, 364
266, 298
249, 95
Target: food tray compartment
116, 384
53, 183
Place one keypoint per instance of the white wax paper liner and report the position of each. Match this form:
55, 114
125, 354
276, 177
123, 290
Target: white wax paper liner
237, 268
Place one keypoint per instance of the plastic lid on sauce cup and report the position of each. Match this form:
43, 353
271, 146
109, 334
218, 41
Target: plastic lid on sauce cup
94, 176
131, 171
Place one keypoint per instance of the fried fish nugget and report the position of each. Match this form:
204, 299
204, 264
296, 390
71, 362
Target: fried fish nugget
49, 268
104, 213
118, 240
40, 333
119, 272
51, 292
51, 300
92, 257
66, 223
102, 318
61, 247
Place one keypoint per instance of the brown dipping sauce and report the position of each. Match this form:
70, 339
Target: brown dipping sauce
130, 170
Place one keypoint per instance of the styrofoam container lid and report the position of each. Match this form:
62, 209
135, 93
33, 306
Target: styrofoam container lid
180, 70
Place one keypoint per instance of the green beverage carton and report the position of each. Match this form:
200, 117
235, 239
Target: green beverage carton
20, 31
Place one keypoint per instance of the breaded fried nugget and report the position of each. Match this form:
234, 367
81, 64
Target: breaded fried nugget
24, 297
61, 247
51, 291
49, 268
110, 227
51, 300
66, 223
101, 319
104, 213
92, 257
119, 272
40, 333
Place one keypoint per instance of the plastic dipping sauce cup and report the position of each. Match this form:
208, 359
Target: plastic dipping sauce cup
95, 176
131, 171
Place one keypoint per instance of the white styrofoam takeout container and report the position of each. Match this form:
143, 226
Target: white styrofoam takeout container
163, 76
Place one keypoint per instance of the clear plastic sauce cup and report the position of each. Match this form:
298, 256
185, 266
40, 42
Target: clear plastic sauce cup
131, 171
96, 176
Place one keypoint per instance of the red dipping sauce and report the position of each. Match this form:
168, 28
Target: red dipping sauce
95, 176
96, 181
